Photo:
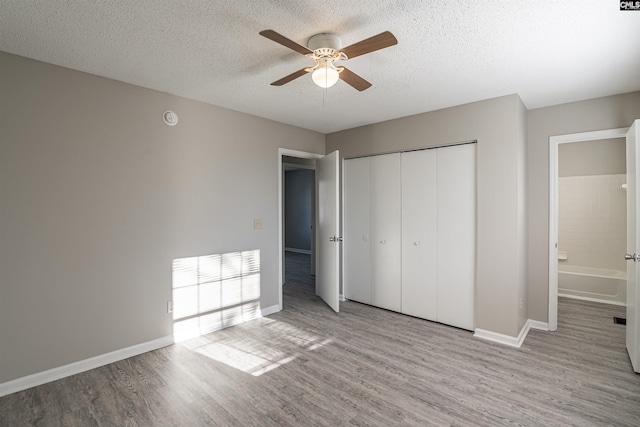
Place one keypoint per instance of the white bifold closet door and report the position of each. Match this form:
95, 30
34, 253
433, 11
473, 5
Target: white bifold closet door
439, 234
420, 234
372, 234
357, 230
410, 233
457, 235
386, 235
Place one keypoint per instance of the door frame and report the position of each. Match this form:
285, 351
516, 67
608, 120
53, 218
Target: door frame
301, 155
554, 142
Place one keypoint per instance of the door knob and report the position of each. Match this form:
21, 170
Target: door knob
383, 241
631, 257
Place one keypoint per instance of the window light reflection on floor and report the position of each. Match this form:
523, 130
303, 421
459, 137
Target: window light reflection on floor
263, 345
212, 292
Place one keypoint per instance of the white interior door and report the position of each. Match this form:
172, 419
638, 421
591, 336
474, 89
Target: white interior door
633, 249
327, 237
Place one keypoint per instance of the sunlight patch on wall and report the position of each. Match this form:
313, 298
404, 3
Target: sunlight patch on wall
212, 292
272, 344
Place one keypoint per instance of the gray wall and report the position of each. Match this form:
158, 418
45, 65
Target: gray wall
599, 157
298, 208
596, 114
499, 126
98, 196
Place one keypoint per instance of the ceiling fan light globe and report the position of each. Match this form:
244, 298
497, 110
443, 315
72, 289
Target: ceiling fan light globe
325, 77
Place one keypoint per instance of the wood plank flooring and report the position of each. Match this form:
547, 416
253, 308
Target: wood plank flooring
308, 366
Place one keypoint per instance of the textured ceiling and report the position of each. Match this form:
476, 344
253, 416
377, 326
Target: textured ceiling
448, 52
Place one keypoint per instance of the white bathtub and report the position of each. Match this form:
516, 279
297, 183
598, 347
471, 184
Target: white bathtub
592, 284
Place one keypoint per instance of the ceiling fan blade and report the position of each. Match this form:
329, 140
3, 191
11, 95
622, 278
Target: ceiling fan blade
279, 38
354, 80
371, 44
290, 77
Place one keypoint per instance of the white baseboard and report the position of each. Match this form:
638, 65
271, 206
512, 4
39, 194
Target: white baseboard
509, 340
602, 301
270, 310
499, 338
298, 251
60, 372
536, 324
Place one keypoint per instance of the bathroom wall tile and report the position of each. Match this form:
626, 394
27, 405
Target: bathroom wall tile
592, 221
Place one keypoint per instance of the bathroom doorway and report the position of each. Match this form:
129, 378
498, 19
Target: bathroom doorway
587, 221
592, 221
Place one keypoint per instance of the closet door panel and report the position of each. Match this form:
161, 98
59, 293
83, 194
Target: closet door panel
357, 238
419, 234
386, 231
456, 235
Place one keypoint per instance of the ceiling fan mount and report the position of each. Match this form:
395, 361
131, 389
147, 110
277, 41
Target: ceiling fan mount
325, 49
324, 41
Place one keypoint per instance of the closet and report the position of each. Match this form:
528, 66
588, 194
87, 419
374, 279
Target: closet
373, 191
409, 232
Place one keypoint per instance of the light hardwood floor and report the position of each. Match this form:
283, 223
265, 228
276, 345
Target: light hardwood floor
308, 366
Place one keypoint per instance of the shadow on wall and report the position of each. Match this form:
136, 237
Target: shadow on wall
212, 292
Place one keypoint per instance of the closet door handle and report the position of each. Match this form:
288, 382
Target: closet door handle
417, 243
383, 241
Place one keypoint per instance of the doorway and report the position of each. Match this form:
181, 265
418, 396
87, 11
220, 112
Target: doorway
299, 220
327, 224
554, 181
301, 161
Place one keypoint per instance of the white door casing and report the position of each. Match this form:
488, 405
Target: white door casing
633, 247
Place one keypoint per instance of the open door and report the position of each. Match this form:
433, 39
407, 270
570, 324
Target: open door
633, 249
328, 230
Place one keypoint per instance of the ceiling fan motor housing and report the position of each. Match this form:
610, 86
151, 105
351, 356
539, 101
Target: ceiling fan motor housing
324, 40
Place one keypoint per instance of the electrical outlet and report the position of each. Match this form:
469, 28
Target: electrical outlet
257, 224
521, 304
169, 306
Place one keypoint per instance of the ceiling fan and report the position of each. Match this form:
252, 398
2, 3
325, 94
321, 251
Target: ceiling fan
325, 49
